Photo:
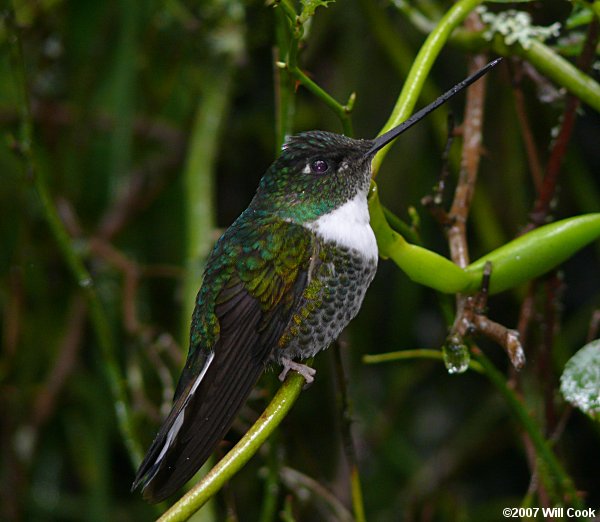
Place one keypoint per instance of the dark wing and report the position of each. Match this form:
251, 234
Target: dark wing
259, 274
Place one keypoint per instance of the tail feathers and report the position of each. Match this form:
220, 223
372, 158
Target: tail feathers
201, 416
207, 401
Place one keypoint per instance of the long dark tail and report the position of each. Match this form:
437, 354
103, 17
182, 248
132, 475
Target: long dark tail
201, 416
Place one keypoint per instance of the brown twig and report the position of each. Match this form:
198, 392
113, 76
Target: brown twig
553, 290
471, 318
541, 207
533, 157
527, 311
471, 315
538, 216
594, 327
434, 202
471, 154
45, 401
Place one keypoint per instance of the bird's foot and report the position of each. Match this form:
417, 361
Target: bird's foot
306, 371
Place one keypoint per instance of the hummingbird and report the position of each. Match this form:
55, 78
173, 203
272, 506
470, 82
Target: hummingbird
279, 286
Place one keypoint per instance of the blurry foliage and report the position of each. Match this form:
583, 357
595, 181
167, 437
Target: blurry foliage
114, 89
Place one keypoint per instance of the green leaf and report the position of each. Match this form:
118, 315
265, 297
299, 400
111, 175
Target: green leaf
581, 15
310, 6
580, 381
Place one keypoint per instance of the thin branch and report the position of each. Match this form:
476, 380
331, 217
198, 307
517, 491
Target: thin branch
594, 327
296, 481
533, 157
420, 353
342, 111
346, 430
541, 207
272, 483
45, 401
471, 154
434, 202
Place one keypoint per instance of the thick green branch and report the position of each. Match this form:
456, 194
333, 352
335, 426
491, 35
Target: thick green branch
520, 260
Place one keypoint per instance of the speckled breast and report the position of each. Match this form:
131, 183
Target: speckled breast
334, 295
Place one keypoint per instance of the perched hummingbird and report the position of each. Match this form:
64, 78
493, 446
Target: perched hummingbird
279, 286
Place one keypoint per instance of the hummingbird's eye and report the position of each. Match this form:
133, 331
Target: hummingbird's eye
319, 166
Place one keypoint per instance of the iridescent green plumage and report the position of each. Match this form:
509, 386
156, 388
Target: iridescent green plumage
273, 290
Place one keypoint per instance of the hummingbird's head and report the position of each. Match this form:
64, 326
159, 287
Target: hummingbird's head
316, 172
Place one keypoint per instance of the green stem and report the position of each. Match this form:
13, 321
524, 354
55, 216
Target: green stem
240, 454
122, 93
421, 67
400, 53
419, 353
358, 506
199, 174
535, 252
561, 71
528, 424
403, 228
284, 84
483, 365
71, 255
272, 485
341, 111
516, 262
542, 57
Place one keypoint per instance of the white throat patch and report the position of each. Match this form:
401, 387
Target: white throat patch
348, 226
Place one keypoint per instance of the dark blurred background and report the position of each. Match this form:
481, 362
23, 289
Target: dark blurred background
117, 91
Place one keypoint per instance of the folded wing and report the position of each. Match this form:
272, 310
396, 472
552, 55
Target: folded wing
256, 291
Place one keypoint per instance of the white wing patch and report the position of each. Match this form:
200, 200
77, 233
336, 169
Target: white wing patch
348, 226
181, 415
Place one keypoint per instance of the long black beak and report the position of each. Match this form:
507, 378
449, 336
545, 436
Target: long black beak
384, 139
